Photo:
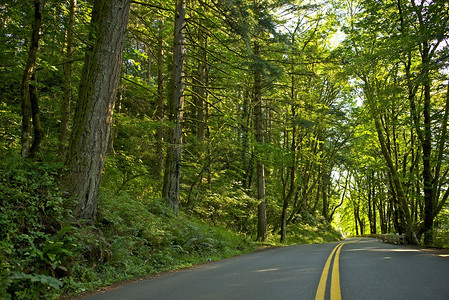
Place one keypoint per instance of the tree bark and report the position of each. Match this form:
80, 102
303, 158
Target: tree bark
65, 104
370, 211
38, 133
115, 123
160, 100
260, 168
245, 150
201, 89
325, 184
437, 183
172, 174
427, 152
373, 198
95, 105
287, 197
356, 217
286, 200
27, 91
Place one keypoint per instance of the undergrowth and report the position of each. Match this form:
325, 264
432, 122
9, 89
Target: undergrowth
441, 233
312, 230
134, 238
36, 245
44, 256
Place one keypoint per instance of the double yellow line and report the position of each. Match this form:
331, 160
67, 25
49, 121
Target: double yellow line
335, 280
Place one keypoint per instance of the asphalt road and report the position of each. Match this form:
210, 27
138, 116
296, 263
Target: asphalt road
353, 269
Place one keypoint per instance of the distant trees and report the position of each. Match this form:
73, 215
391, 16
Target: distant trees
398, 50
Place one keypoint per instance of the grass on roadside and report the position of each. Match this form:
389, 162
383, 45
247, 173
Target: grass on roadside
136, 238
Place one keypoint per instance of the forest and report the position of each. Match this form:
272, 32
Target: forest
142, 136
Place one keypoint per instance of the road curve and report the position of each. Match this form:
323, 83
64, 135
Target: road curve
366, 269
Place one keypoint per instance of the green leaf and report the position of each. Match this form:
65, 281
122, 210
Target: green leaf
51, 256
43, 279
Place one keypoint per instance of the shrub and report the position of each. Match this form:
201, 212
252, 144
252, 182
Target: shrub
36, 248
232, 208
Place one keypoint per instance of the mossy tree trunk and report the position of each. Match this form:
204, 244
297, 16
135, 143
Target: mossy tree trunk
93, 113
30, 108
160, 99
172, 174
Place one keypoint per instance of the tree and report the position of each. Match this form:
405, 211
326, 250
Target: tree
407, 130
93, 114
65, 104
30, 106
429, 26
172, 173
160, 97
260, 167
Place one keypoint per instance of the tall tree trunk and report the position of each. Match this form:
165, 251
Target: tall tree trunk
30, 68
200, 96
425, 137
201, 88
437, 182
287, 197
382, 211
37, 126
95, 105
323, 176
373, 197
67, 99
361, 222
260, 168
245, 150
172, 174
356, 217
427, 152
370, 211
325, 184
115, 123
160, 99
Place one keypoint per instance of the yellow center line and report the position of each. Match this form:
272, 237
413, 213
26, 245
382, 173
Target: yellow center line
335, 281
335, 292
321, 291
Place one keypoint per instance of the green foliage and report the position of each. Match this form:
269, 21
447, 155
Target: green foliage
35, 247
311, 230
9, 126
232, 208
441, 232
136, 237
32, 286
